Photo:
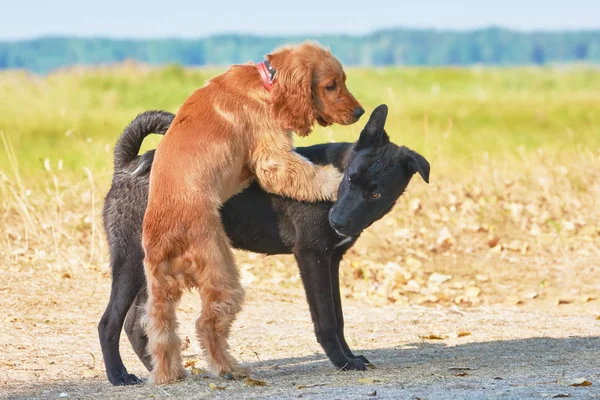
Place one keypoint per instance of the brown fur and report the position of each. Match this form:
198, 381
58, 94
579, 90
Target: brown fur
228, 132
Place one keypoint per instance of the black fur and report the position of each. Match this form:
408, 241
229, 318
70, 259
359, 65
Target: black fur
129, 143
377, 174
254, 221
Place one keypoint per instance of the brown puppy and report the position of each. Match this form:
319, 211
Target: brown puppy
236, 128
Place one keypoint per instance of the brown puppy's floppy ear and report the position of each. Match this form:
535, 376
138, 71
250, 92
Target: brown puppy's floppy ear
291, 102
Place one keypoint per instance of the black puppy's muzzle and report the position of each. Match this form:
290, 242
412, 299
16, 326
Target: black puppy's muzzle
339, 228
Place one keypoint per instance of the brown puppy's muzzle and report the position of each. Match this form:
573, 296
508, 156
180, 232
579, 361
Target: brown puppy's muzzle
358, 112
345, 111
351, 116
352, 109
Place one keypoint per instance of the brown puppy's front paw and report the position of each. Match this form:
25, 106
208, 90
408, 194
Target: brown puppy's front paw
163, 377
331, 182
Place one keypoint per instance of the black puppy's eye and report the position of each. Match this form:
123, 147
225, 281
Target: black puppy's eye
375, 194
349, 178
331, 86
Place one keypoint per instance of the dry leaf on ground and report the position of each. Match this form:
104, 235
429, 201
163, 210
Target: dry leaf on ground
311, 386
459, 369
493, 242
370, 380
473, 291
413, 263
579, 382
445, 238
197, 371
185, 344
434, 337
254, 382
439, 278
212, 386
514, 300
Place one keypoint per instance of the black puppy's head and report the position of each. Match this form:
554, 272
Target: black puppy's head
376, 175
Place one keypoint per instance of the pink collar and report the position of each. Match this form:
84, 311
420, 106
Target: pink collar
267, 73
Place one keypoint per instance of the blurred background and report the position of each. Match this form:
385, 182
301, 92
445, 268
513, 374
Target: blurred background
502, 97
42, 37
471, 71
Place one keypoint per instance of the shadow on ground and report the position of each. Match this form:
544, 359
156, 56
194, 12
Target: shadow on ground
524, 368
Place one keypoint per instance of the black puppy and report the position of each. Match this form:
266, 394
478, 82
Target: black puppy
377, 174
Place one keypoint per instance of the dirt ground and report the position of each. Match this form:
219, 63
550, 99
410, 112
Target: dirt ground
482, 289
509, 354
50, 347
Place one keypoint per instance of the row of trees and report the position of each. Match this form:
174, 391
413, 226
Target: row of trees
491, 46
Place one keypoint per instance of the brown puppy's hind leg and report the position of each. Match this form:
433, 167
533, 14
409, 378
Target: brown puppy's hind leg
160, 323
222, 297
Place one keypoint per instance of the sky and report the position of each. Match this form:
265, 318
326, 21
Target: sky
23, 19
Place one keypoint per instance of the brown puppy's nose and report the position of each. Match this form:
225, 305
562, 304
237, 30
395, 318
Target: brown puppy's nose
358, 112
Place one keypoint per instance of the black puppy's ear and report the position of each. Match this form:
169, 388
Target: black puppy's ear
373, 134
419, 164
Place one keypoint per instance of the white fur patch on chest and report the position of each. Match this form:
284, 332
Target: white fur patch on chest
344, 241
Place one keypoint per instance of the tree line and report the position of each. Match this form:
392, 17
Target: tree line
492, 46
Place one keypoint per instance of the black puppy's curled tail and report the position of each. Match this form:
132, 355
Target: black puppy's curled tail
130, 141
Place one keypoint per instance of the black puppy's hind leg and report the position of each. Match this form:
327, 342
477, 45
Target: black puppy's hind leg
314, 270
135, 332
334, 269
127, 281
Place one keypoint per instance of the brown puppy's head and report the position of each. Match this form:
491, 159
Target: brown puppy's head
310, 86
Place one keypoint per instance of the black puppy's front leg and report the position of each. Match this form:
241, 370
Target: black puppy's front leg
334, 268
315, 273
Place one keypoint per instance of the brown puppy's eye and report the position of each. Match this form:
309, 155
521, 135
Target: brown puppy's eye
375, 195
331, 86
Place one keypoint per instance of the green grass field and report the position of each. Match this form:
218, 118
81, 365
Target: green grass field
453, 116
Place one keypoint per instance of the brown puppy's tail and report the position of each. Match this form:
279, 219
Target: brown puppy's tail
130, 141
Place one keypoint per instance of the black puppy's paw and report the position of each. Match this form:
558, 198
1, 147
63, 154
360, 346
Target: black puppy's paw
363, 359
354, 364
125, 379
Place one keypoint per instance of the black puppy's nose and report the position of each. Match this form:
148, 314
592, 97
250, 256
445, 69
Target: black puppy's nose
335, 225
358, 112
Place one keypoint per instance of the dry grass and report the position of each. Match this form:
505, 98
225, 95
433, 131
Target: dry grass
532, 232
527, 237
